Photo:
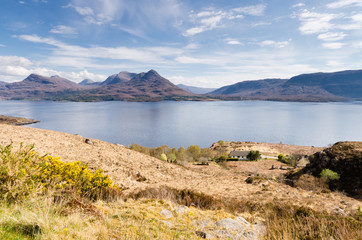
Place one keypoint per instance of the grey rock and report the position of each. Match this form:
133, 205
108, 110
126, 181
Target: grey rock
230, 224
225, 234
181, 209
250, 235
166, 213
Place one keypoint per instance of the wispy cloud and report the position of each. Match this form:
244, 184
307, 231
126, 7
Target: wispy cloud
298, 5
256, 10
232, 41
272, 43
333, 45
64, 30
344, 3
332, 36
212, 18
133, 17
313, 22
141, 54
2, 45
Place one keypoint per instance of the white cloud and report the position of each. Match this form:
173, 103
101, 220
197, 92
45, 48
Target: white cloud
333, 45
21, 2
343, 3
188, 60
275, 44
141, 54
15, 68
231, 41
140, 14
2, 45
191, 46
61, 29
332, 36
256, 10
84, 11
15, 61
214, 18
298, 5
313, 22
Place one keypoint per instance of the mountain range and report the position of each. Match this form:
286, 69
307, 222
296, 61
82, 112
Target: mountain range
337, 86
150, 86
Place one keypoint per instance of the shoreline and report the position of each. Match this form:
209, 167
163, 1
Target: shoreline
16, 121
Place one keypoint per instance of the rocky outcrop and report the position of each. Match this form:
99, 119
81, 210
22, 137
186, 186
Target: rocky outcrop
344, 158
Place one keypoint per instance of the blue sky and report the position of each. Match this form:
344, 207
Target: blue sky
208, 43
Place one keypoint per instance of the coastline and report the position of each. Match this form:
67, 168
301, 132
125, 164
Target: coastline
16, 121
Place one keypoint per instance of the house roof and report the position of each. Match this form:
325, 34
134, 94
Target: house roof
238, 153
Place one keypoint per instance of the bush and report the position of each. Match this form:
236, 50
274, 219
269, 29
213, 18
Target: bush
24, 173
163, 157
289, 160
329, 175
254, 155
221, 142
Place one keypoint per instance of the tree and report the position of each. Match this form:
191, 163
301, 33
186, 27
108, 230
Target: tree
254, 155
194, 151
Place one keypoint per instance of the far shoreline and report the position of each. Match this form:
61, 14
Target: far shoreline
17, 121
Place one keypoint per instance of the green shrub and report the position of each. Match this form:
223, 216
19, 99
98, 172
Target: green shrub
254, 155
221, 142
289, 160
329, 175
163, 157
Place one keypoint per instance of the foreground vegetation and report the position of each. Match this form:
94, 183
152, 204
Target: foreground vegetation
45, 198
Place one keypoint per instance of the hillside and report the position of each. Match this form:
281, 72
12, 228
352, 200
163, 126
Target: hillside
38, 87
337, 86
218, 199
122, 165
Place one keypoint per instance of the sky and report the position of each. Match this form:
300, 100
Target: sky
204, 43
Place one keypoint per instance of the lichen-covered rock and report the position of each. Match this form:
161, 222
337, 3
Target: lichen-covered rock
166, 214
230, 224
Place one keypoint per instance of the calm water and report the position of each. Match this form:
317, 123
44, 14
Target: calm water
185, 123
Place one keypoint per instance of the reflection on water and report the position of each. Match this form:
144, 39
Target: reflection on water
184, 123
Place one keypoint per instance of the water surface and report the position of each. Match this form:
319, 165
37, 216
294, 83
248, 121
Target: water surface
185, 123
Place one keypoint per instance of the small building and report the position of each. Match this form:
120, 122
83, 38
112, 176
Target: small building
238, 155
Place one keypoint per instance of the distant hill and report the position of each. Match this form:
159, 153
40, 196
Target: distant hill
196, 90
38, 87
143, 86
337, 86
89, 82
148, 86
121, 77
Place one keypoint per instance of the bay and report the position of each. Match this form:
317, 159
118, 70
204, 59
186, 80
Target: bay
178, 124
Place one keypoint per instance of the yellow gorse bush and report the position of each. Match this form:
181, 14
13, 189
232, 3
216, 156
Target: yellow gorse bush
24, 172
